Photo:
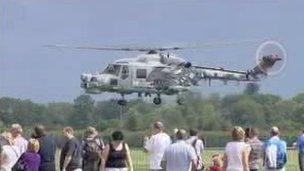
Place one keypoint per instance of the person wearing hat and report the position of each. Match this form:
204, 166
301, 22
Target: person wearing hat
275, 151
156, 145
92, 146
237, 152
10, 152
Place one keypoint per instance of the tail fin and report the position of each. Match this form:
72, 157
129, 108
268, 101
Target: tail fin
267, 62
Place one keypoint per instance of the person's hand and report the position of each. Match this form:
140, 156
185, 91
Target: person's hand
146, 138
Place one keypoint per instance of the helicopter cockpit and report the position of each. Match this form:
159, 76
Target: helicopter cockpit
112, 69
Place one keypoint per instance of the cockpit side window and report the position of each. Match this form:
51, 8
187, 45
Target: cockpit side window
141, 73
124, 72
112, 69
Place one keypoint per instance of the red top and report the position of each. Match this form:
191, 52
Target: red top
215, 168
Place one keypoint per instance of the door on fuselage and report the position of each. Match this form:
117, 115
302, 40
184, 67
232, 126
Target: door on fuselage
140, 77
125, 80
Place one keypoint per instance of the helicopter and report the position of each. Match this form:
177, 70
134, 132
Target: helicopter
156, 72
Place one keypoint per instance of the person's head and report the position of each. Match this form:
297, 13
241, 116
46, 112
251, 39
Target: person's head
8, 138
251, 132
117, 136
274, 131
158, 127
39, 131
33, 145
238, 134
193, 132
16, 129
217, 160
90, 132
68, 132
181, 134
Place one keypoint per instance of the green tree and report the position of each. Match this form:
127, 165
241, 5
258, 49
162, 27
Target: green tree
83, 111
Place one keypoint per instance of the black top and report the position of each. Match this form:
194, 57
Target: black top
73, 148
47, 149
117, 159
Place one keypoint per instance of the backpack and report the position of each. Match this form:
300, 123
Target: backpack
275, 154
92, 148
20, 165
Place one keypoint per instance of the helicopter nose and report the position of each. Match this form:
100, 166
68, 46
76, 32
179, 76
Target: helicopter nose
85, 77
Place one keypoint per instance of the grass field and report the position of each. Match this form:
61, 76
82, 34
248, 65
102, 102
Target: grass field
140, 159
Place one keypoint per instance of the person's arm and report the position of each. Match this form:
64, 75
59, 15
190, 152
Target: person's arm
104, 155
163, 163
147, 144
68, 157
193, 156
66, 162
1, 157
225, 158
194, 163
129, 159
101, 146
245, 158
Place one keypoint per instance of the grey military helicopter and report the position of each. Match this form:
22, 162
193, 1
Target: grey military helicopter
156, 72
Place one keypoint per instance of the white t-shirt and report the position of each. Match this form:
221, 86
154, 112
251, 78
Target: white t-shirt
156, 147
10, 155
234, 152
178, 156
199, 145
21, 143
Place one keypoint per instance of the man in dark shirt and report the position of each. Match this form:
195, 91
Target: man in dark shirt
47, 149
71, 158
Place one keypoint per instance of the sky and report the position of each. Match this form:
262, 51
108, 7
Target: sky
29, 70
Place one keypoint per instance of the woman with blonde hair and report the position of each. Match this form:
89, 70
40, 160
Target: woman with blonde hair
10, 152
237, 152
30, 160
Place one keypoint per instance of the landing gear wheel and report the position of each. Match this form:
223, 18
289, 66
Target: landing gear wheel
180, 101
157, 100
122, 102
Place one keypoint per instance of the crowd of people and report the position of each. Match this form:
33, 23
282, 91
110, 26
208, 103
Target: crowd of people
183, 151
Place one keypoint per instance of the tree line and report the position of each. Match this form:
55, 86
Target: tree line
208, 113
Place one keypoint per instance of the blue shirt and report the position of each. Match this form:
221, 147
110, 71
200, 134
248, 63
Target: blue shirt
300, 144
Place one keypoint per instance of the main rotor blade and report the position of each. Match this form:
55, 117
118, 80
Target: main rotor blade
170, 48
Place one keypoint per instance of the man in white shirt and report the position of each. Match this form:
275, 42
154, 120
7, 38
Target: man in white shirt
198, 146
20, 142
157, 145
275, 151
179, 156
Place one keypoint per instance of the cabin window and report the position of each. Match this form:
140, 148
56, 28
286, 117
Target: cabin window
112, 69
124, 72
141, 73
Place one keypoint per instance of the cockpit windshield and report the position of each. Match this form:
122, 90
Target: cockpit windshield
112, 69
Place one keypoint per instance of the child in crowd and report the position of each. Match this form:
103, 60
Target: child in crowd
217, 163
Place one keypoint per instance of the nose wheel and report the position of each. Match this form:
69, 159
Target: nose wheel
122, 101
157, 100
